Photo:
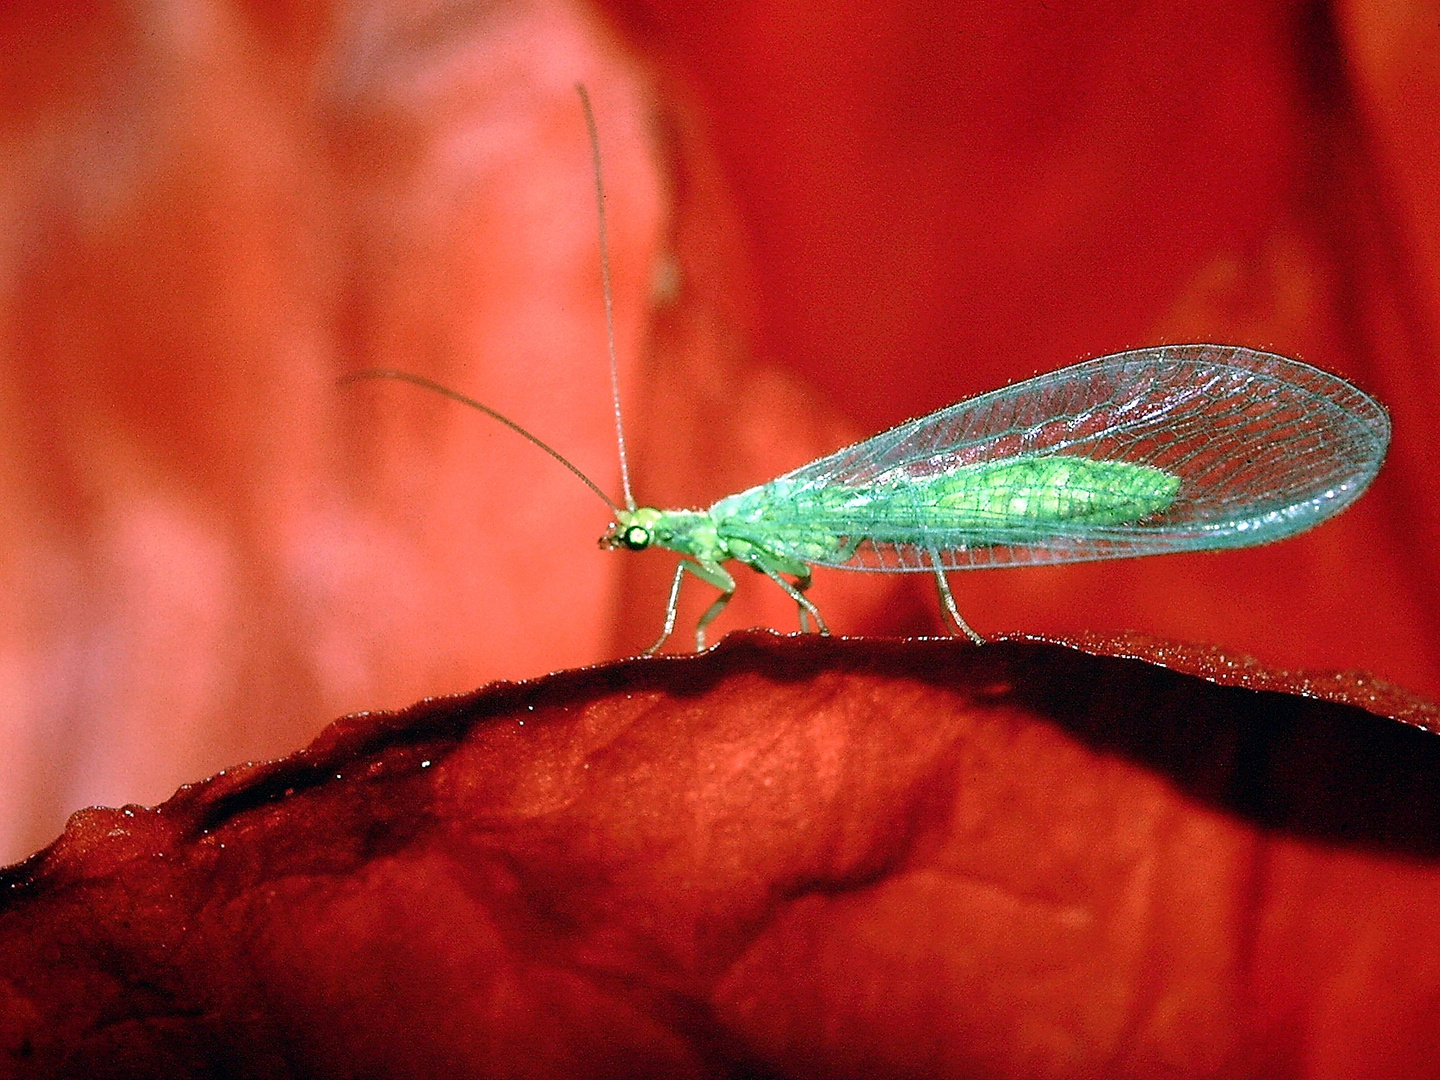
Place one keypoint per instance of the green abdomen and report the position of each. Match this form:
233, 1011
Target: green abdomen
1048, 489
1010, 501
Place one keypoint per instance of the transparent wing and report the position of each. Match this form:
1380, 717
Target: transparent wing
1264, 447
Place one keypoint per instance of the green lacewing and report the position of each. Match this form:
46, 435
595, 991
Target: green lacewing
1156, 450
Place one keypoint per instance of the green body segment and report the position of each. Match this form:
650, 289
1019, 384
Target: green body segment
1044, 490
1011, 500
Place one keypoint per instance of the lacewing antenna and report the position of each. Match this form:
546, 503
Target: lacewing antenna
445, 391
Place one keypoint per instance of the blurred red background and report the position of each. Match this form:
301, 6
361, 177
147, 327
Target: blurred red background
826, 217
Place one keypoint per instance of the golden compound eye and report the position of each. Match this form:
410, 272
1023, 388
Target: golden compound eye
636, 537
